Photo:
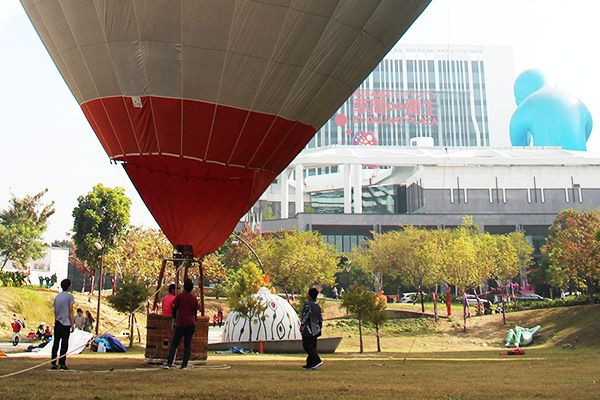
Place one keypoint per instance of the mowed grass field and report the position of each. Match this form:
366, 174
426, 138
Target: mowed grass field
542, 373
420, 359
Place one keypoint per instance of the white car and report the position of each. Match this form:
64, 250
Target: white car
410, 297
472, 300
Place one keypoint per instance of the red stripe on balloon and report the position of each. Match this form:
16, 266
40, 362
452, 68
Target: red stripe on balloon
230, 156
193, 129
194, 202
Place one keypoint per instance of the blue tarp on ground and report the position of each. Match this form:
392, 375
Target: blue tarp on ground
111, 343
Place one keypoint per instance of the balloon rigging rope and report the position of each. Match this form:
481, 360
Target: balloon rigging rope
80, 347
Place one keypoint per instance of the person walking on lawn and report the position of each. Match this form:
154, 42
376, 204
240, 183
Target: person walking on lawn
310, 327
185, 307
63, 325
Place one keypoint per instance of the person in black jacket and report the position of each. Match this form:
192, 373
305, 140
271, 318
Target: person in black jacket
310, 327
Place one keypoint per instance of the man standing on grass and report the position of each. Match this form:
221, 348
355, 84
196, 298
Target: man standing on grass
63, 325
185, 307
310, 327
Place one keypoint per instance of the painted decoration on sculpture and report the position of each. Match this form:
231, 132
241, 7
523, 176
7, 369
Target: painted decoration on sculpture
278, 322
204, 102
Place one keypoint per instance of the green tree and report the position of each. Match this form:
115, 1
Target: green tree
128, 298
234, 253
460, 260
362, 303
379, 256
216, 272
246, 282
505, 262
299, 260
100, 216
351, 272
250, 307
379, 315
469, 256
523, 251
21, 228
268, 214
572, 245
138, 253
420, 257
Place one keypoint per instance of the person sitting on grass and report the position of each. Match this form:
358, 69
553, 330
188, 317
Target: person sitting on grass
88, 325
79, 319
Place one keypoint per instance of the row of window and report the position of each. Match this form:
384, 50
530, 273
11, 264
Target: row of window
344, 243
572, 195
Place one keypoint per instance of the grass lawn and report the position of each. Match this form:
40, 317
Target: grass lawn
442, 362
484, 374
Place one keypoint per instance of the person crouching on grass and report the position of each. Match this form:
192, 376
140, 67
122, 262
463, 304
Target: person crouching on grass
310, 327
185, 308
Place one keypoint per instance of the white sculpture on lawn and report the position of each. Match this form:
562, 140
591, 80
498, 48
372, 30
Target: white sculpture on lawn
278, 322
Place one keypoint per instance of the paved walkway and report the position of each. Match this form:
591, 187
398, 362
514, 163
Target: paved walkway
9, 348
215, 335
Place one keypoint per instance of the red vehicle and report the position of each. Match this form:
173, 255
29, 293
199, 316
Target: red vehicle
17, 325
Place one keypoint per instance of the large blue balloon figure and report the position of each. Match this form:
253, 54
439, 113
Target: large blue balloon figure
549, 116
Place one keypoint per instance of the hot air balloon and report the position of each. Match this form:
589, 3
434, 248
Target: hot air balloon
205, 102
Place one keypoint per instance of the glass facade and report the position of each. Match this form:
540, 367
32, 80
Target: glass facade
435, 92
344, 243
375, 200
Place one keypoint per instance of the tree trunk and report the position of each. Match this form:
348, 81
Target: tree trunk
378, 343
360, 334
422, 301
4, 263
590, 287
131, 330
250, 332
91, 285
435, 298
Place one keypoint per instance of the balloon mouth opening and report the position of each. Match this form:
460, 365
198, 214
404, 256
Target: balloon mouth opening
210, 172
184, 251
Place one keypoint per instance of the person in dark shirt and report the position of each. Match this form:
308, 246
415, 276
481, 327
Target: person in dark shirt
185, 307
310, 327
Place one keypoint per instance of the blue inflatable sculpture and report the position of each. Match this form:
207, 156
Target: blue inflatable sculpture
549, 116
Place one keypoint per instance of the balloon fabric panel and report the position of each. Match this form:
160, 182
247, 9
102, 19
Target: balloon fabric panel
206, 102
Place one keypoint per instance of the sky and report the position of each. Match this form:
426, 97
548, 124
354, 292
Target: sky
46, 142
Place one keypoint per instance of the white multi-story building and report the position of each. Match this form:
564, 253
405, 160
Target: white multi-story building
54, 262
452, 95
425, 141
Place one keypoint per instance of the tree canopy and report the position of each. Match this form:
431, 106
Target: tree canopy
463, 257
572, 247
21, 228
138, 253
364, 304
298, 260
100, 216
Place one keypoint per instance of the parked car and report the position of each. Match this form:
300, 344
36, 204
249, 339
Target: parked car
531, 297
410, 297
472, 300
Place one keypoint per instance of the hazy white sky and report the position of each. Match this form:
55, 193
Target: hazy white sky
46, 141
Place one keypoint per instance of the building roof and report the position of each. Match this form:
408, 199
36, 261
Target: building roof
438, 156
